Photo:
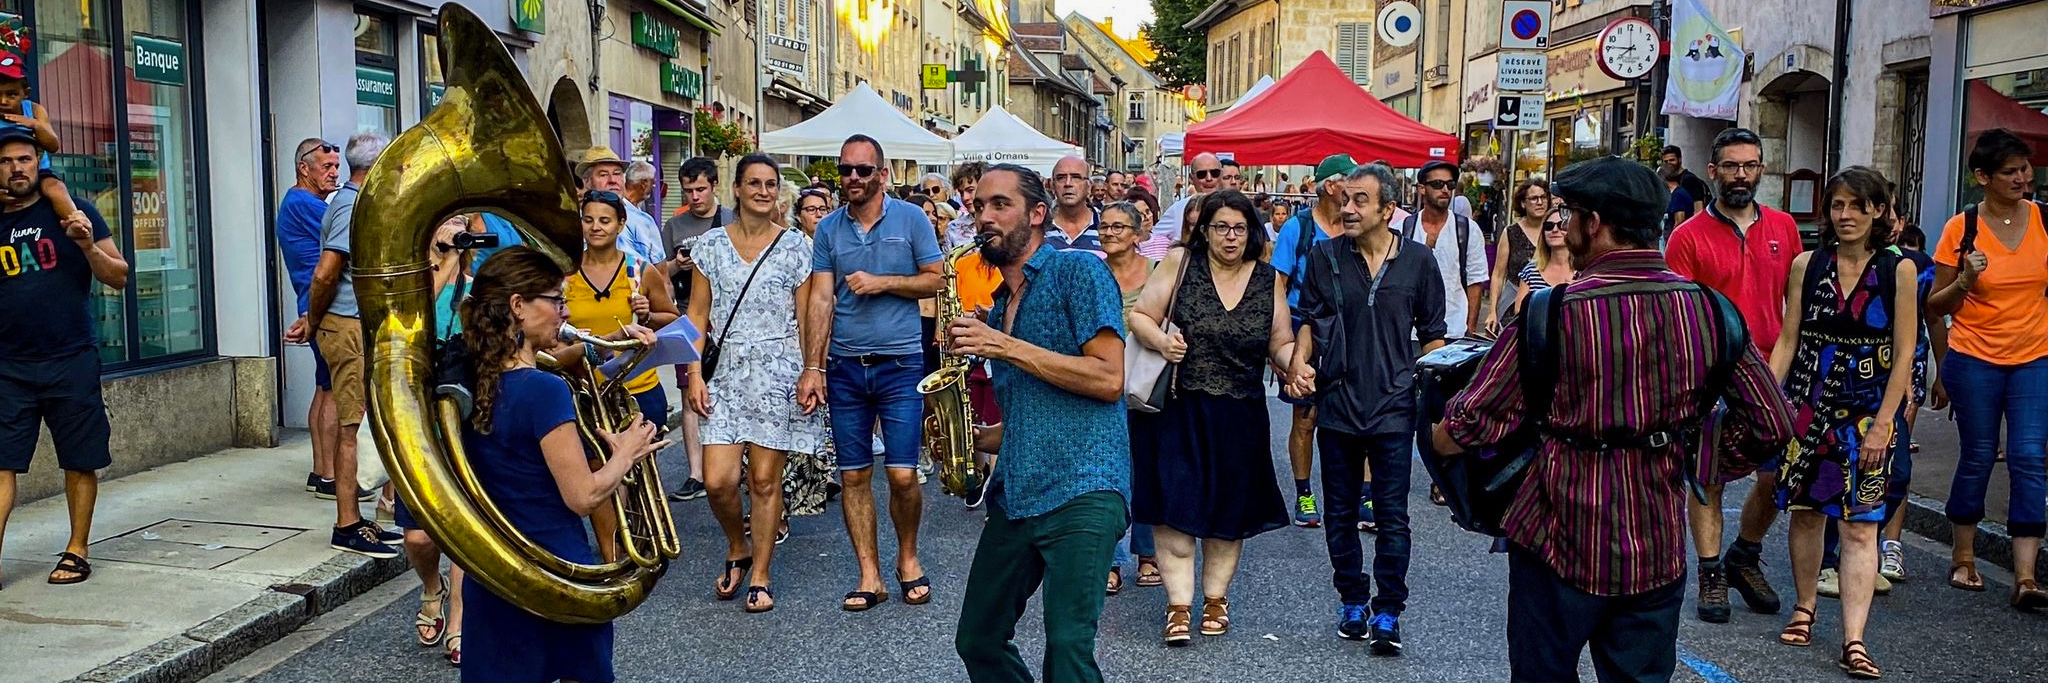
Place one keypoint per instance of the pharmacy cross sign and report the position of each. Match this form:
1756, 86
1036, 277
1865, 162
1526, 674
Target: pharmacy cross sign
967, 77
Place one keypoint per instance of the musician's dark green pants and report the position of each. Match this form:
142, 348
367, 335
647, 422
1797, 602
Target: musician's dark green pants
1068, 551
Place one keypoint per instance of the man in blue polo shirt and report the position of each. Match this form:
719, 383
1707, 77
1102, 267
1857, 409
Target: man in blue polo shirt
318, 170
873, 259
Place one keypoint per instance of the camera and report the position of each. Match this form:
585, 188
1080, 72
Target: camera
475, 240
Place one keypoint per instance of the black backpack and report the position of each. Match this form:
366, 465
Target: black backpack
1969, 242
1479, 488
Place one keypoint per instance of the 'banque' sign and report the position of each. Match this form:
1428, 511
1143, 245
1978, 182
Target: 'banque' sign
159, 61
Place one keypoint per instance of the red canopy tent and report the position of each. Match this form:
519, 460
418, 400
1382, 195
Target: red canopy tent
1990, 109
1313, 112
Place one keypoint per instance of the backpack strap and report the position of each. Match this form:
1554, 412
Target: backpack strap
1539, 366
1731, 344
1464, 227
1969, 241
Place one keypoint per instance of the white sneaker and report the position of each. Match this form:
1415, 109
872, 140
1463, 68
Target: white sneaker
1893, 566
1830, 584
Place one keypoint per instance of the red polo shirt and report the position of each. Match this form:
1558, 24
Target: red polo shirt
1750, 269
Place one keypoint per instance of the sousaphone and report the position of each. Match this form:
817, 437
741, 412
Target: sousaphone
486, 147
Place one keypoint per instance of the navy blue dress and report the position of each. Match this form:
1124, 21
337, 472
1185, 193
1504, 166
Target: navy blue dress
503, 643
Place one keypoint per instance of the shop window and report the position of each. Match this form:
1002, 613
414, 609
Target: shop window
376, 75
2013, 101
163, 188
433, 82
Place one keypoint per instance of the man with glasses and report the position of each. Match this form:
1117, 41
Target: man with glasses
1207, 172
872, 260
331, 313
1460, 263
318, 169
1743, 250
1374, 291
1073, 218
1233, 175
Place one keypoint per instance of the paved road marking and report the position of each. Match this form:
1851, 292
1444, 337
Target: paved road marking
1704, 668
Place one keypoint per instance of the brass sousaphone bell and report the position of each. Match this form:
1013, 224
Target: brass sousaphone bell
486, 147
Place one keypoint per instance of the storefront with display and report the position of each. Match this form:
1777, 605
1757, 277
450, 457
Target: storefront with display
1996, 77
656, 79
1589, 114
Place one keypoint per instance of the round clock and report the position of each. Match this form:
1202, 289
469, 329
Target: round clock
1629, 48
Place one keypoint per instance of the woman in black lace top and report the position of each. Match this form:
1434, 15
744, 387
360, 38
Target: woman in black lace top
1201, 465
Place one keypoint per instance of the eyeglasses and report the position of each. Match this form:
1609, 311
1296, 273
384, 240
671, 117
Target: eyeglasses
934, 190
1745, 168
1114, 228
857, 170
1438, 184
1205, 175
1229, 229
324, 147
557, 298
816, 209
1537, 198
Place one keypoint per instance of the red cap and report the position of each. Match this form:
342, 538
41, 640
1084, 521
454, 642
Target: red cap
12, 66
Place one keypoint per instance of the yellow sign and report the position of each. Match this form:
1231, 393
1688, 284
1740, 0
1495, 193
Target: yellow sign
935, 77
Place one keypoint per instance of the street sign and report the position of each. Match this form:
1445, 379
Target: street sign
934, 76
1400, 23
1518, 112
1524, 25
1523, 72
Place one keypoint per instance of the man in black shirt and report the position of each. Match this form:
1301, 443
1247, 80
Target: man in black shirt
1361, 299
49, 356
1674, 159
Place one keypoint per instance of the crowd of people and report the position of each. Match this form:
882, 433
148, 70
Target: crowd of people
817, 326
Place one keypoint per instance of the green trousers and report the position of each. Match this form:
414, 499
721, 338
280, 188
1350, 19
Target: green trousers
1068, 551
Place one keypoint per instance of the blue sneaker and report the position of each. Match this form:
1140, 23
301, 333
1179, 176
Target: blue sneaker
1366, 522
1305, 513
1351, 622
362, 539
1386, 634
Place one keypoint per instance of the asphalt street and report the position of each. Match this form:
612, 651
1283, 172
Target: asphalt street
1282, 627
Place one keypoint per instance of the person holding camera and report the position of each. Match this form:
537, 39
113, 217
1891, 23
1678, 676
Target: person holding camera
1597, 530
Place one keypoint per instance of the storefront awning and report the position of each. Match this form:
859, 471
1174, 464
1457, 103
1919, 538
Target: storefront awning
693, 18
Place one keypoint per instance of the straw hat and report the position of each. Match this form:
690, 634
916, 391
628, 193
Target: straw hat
597, 155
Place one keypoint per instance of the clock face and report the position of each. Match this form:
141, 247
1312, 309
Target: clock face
1628, 49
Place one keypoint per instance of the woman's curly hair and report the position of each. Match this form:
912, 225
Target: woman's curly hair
488, 328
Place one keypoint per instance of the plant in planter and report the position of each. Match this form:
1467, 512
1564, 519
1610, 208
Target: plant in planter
717, 137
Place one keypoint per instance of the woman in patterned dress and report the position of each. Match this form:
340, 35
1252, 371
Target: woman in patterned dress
1844, 356
751, 281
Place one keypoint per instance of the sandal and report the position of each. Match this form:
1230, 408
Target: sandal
754, 594
1178, 626
1971, 581
1436, 496
1857, 663
71, 562
430, 622
742, 565
1116, 582
1215, 611
455, 649
867, 601
924, 582
1148, 572
2027, 595
1799, 633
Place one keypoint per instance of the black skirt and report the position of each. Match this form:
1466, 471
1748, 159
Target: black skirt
1203, 466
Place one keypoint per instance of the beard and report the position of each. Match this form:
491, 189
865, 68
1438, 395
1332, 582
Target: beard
22, 187
1008, 249
1738, 194
861, 191
1579, 245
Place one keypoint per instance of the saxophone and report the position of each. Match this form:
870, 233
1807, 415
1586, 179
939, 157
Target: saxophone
949, 418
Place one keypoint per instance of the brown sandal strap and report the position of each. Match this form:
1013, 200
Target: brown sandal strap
1857, 661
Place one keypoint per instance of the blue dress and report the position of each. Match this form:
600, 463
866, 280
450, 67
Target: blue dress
503, 643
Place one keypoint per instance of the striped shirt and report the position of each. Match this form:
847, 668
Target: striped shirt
1637, 344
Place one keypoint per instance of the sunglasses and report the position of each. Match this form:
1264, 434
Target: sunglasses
857, 170
1204, 175
933, 190
1553, 226
322, 148
1438, 184
601, 196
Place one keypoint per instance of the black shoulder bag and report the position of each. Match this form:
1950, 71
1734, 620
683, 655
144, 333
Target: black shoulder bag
708, 362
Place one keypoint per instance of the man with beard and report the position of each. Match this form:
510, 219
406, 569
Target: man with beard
1743, 250
1207, 172
1321, 222
1367, 419
1057, 497
49, 355
1596, 555
1073, 219
1462, 266
872, 260
1674, 160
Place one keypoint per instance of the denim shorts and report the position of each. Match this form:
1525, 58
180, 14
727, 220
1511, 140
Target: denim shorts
863, 390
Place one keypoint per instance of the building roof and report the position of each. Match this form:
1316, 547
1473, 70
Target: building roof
1217, 11
1102, 88
1125, 50
1028, 69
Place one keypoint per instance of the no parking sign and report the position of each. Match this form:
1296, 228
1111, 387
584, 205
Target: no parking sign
1525, 25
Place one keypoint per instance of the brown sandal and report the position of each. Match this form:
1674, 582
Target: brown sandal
1116, 581
2027, 595
1215, 611
1178, 626
1857, 663
1799, 633
1148, 572
1971, 582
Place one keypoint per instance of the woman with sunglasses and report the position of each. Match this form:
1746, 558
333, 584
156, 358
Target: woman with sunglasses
1515, 248
1202, 474
750, 293
523, 444
1552, 265
431, 625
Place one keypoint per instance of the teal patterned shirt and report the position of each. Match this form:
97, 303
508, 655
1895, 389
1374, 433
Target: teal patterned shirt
1058, 445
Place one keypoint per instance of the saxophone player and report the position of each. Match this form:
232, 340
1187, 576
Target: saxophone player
1057, 498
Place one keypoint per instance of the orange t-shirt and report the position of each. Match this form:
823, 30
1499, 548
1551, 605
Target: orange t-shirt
977, 283
2004, 318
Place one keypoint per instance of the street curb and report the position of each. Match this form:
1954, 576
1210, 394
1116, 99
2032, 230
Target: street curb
1926, 516
215, 643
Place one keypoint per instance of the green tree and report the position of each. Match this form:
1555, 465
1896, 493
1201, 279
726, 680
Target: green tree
1183, 54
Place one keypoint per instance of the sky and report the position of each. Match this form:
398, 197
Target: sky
1127, 13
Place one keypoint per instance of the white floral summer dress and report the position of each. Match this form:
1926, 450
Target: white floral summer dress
753, 393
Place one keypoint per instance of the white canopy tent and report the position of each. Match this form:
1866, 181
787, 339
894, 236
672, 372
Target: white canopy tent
863, 111
1001, 137
1172, 144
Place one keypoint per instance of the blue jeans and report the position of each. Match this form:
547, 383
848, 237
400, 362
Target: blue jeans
1137, 543
1984, 395
859, 394
1344, 456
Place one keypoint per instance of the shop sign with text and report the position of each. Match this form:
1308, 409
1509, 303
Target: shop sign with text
376, 87
159, 61
676, 80
655, 35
